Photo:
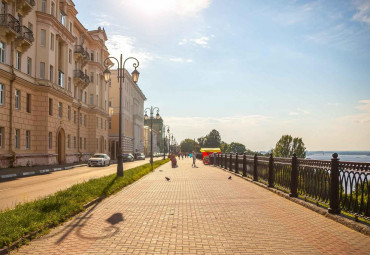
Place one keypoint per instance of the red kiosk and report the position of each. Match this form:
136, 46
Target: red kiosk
206, 152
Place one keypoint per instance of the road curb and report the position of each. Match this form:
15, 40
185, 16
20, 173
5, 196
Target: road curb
38, 172
364, 229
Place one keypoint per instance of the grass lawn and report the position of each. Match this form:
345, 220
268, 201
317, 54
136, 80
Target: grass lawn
45, 213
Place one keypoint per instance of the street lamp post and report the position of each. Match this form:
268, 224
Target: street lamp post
157, 116
121, 80
164, 139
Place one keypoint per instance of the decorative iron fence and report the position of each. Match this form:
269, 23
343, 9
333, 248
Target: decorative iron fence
340, 185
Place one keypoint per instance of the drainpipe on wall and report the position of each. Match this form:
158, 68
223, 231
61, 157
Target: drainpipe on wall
11, 108
78, 133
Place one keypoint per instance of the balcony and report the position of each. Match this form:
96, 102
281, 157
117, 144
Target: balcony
80, 79
9, 27
24, 39
81, 55
25, 6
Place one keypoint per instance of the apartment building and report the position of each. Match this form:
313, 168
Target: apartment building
53, 98
132, 115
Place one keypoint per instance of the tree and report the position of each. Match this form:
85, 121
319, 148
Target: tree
287, 146
188, 145
224, 147
213, 139
237, 148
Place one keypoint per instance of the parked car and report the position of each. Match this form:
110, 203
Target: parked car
139, 155
99, 159
127, 157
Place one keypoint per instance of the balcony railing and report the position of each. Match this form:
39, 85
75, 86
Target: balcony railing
78, 74
80, 49
8, 20
25, 33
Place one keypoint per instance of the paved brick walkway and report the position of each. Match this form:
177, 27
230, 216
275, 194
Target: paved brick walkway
199, 211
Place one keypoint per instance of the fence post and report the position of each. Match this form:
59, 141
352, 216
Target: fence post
255, 173
231, 162
236, 163
271, 172
244, 165
216, 159
334, 186
225, 161
294, 177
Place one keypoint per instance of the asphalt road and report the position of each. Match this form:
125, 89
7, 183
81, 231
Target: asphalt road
13, 192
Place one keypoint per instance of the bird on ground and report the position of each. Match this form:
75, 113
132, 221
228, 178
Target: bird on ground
229, 177
168, 179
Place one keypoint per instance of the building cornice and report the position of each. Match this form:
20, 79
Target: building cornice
52, 21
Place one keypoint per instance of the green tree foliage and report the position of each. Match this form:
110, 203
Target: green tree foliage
188, 145
237, 148
224, 147
212, 140
287, 146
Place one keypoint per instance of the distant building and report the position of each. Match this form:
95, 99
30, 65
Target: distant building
132, 115
147, 143
53, 100
158, 128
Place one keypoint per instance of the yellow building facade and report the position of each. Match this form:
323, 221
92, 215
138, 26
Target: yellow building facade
53, 98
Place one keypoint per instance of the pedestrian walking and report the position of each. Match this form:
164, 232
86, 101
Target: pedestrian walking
194, 159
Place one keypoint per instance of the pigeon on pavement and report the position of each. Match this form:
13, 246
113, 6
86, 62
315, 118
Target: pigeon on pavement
168, 179
229, 177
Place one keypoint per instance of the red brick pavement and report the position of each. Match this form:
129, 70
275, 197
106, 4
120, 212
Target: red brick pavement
199, 211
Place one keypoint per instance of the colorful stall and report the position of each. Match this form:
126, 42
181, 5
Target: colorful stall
207, 153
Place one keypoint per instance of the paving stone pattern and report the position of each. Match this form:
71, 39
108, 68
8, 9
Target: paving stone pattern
199, 211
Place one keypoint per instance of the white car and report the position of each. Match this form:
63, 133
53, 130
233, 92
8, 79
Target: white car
99, 159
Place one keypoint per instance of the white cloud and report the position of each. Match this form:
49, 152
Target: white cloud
298, 112
181, 60
360, 118
293, 113
118, 44
363, 11
201, 41
303, 111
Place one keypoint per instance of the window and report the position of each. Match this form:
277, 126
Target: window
70, 56
51, 74
105, 105
70, 27
52, 9
62, 18
60, 110
85, 97
43, 6
85, 143
61, 79
51, 41
97, 122
69, 83
29, 65
1, 137
50, 106
69, 113
101, 123
97, 100
80, 145
17, 99
80, 95
68, 141
110, 124
110, 103
92, 56
80, 118
92, 77
42, 70
50, 140
28, 139
97, 57
2, 94
43, 38
74, 117
85, 120
28, 103
91, 98
74, 142
16, 138
2, 52
75, 93
18, 60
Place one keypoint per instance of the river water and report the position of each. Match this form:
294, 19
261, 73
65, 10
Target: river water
344, 156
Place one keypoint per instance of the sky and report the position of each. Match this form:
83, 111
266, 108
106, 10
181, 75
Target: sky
253, 70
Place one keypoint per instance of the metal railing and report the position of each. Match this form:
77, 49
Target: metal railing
25, 33
8, 20
80, 75
80, 49
340, 185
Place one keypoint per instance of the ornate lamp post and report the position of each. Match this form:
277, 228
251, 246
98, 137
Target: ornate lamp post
157, 116
121, 79
164, 139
